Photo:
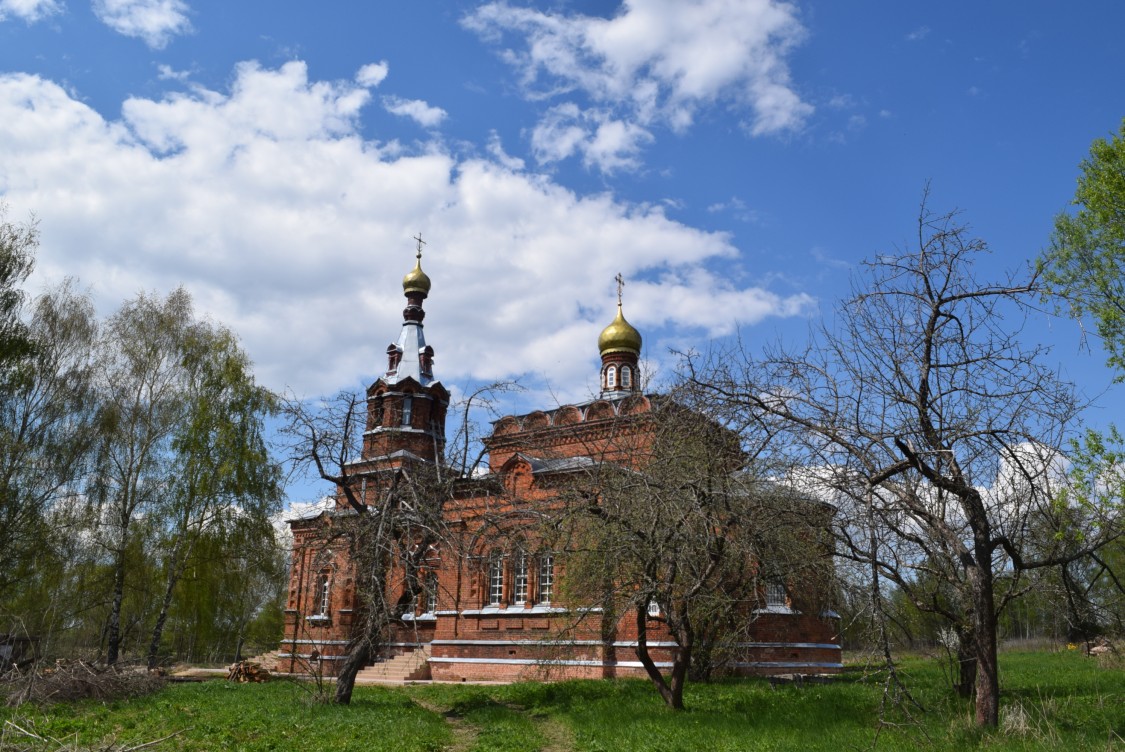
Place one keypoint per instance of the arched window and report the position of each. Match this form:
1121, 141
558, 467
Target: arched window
323, 594
626, 377
776, 597
611, 377
519, 579
653, 608
495, 579
546, 577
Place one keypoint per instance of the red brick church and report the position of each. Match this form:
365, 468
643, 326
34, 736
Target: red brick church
495, 609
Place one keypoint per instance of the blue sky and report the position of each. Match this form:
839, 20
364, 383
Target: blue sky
735, 160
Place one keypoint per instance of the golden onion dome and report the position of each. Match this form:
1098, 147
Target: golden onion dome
619, 336
416, 281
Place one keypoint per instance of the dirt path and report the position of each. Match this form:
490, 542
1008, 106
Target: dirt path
558, 735
464, 735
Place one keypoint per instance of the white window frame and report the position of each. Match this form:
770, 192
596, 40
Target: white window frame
323, 594
520, 579
431, 593
777, 597
653, 608
546, 583
496, 580
611, 377
407, 410
626, 377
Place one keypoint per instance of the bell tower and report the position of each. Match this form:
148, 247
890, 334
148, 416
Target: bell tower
406, 405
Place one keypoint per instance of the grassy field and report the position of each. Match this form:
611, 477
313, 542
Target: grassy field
1051, 701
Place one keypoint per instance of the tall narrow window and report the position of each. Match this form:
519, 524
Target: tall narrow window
546, 577
431, 592
519, 579
495, 579
407, 410
611, 377
653, 608
776, 597
626, 377
323, 595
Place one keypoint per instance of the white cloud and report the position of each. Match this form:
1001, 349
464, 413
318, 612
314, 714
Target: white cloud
168, 73
656, 62
154, 21
416, 109
288, 225
29, 10
603, 142
372, 74
918, 34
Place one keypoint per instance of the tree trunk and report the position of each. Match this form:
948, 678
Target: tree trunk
680, 665
165, 604
653, 672
359, 654
113, 637
966, 664
984, 634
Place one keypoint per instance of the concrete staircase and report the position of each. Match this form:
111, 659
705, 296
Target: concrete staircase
398, 670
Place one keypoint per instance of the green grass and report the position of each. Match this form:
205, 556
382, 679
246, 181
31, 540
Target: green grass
1051, 700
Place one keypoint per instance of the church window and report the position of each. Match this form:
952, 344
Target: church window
431, 592
407, 410
495, 579
611, 377
776, 597
323, 594
653, 608
520, 579
428, 596
626, 377
546, 577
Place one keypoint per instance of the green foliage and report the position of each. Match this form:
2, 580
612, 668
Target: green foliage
17, 248
1086, 260
1060, 700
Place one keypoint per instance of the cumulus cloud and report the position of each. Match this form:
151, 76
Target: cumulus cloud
372, 74
656, 62
29, 10
415, 109
287, 224
153, 21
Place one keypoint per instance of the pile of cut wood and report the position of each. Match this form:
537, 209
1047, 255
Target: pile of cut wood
245, 671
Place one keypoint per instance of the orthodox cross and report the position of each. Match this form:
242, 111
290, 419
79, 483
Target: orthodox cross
421, 243
620, 285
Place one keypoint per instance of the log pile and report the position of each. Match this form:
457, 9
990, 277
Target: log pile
245, 671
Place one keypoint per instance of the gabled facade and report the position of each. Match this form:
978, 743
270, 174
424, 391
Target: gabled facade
491, 606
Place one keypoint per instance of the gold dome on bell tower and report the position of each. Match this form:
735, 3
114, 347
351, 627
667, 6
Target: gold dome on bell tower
417, 281
620, 335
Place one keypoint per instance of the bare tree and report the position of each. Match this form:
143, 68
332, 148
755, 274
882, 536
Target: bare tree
390, 519
675, 527
937, 430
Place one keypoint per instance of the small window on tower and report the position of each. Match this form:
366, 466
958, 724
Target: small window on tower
611, 377
407, 410
626, 377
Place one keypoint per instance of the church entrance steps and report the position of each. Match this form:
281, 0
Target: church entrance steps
413, 666
268, 661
